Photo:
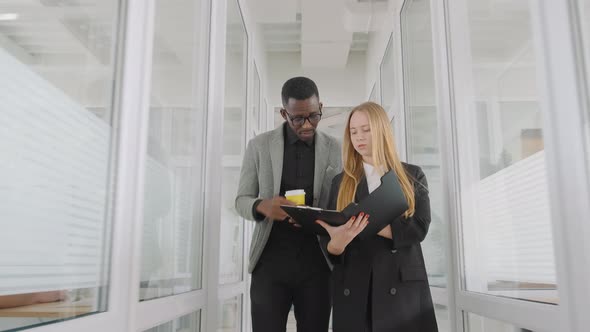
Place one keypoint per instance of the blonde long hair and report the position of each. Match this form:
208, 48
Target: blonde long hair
385, 157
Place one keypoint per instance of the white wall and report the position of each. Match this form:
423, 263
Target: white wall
337, 87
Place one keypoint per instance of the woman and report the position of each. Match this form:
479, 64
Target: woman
379, 283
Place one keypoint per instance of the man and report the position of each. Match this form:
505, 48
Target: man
287, 264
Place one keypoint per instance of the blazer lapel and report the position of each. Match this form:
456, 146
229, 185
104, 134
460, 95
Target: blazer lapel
277, 149
322, 152
362, 190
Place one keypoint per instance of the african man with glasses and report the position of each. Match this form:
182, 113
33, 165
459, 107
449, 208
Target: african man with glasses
287, 264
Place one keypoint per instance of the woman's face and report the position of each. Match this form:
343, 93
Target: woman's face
360, 134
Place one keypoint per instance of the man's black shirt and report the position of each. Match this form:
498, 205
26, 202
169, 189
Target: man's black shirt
286, 240
298, 165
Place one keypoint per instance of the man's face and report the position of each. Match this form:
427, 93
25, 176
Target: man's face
303, 116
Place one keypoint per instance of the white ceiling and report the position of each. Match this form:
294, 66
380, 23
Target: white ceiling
286, 37
70, 32
58, 32
323, 32
75, 36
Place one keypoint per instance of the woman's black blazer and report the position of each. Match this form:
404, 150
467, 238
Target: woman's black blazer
393, 270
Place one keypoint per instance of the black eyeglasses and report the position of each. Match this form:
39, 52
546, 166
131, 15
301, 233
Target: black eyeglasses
298, 121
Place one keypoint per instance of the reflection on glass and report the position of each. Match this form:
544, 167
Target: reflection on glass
230, 249
422, 127
234, 126
265, 114
375, 95
232, 228
442, 318
389, 95
334, 120
584, 12
230, 315
476, 323
256, 100
507, 236
57, 73
188, 323
173, 225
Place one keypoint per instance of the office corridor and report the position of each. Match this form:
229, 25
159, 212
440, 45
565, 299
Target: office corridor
124, 125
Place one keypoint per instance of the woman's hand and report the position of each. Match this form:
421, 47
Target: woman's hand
341, 236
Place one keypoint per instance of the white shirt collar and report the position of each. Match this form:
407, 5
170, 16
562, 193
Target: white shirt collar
372, 176
369, 169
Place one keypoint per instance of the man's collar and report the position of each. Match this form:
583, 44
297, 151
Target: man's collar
292, 138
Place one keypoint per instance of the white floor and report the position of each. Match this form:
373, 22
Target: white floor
292, 324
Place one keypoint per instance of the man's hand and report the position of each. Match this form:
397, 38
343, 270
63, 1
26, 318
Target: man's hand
341, 236
271, 208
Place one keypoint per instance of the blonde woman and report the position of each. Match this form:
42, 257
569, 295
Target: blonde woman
379, 283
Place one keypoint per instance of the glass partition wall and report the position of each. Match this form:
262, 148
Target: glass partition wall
505, 218
172, 240
104, 126
234, 139
58, 124
187, 323
583, 10
486, 75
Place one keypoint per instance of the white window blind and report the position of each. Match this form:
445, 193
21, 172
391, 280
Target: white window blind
53, 185
513, 211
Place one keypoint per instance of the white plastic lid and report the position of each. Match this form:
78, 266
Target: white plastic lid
295, 192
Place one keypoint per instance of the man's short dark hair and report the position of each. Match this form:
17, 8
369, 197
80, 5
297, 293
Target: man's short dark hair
299, 88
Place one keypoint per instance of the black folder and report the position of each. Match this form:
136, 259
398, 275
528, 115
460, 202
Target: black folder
384, 205
306, 217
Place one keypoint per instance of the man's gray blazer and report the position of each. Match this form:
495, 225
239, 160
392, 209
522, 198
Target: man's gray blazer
261, 174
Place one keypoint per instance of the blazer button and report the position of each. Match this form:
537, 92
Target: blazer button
346, 292
393, 291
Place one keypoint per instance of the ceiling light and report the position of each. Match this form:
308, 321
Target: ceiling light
8, 17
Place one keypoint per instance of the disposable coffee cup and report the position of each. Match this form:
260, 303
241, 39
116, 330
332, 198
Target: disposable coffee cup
296, 196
